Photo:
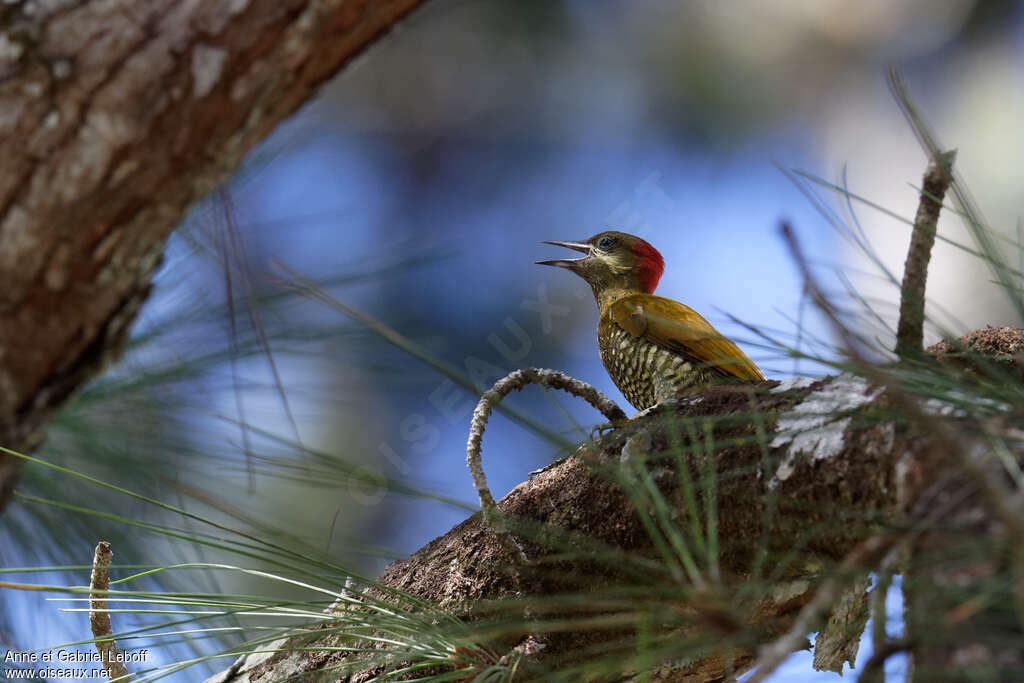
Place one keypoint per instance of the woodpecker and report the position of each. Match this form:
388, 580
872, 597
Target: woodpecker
652, 347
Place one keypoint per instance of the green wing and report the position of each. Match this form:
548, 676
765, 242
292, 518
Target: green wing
679, 328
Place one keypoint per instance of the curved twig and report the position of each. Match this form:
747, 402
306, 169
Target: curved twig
515, 381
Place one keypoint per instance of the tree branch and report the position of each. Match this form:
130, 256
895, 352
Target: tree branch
117, 117
853, 477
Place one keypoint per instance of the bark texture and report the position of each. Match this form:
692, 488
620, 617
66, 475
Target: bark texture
115, 115
837, 472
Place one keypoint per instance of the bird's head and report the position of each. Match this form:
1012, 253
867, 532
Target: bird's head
614, 261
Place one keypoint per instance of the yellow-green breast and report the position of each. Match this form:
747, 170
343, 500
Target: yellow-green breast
645, 372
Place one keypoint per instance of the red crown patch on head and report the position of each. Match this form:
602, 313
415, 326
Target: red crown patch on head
649, 264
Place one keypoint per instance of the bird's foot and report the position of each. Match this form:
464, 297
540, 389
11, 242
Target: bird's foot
656, 408
551, 465
598, 431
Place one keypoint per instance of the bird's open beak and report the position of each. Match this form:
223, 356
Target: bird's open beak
571, 264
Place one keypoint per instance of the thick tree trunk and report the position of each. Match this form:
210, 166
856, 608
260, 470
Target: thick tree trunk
836, 478
114, 117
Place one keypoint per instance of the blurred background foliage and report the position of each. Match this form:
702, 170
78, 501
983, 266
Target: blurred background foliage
417, 188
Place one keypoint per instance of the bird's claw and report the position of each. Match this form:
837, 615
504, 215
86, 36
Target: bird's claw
550, 465
598, 431
657, 407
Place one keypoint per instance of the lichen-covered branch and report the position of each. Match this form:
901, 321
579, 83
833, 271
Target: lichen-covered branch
945, 459
116, 116
824, 602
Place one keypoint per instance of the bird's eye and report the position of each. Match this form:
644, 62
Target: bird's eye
606, 243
